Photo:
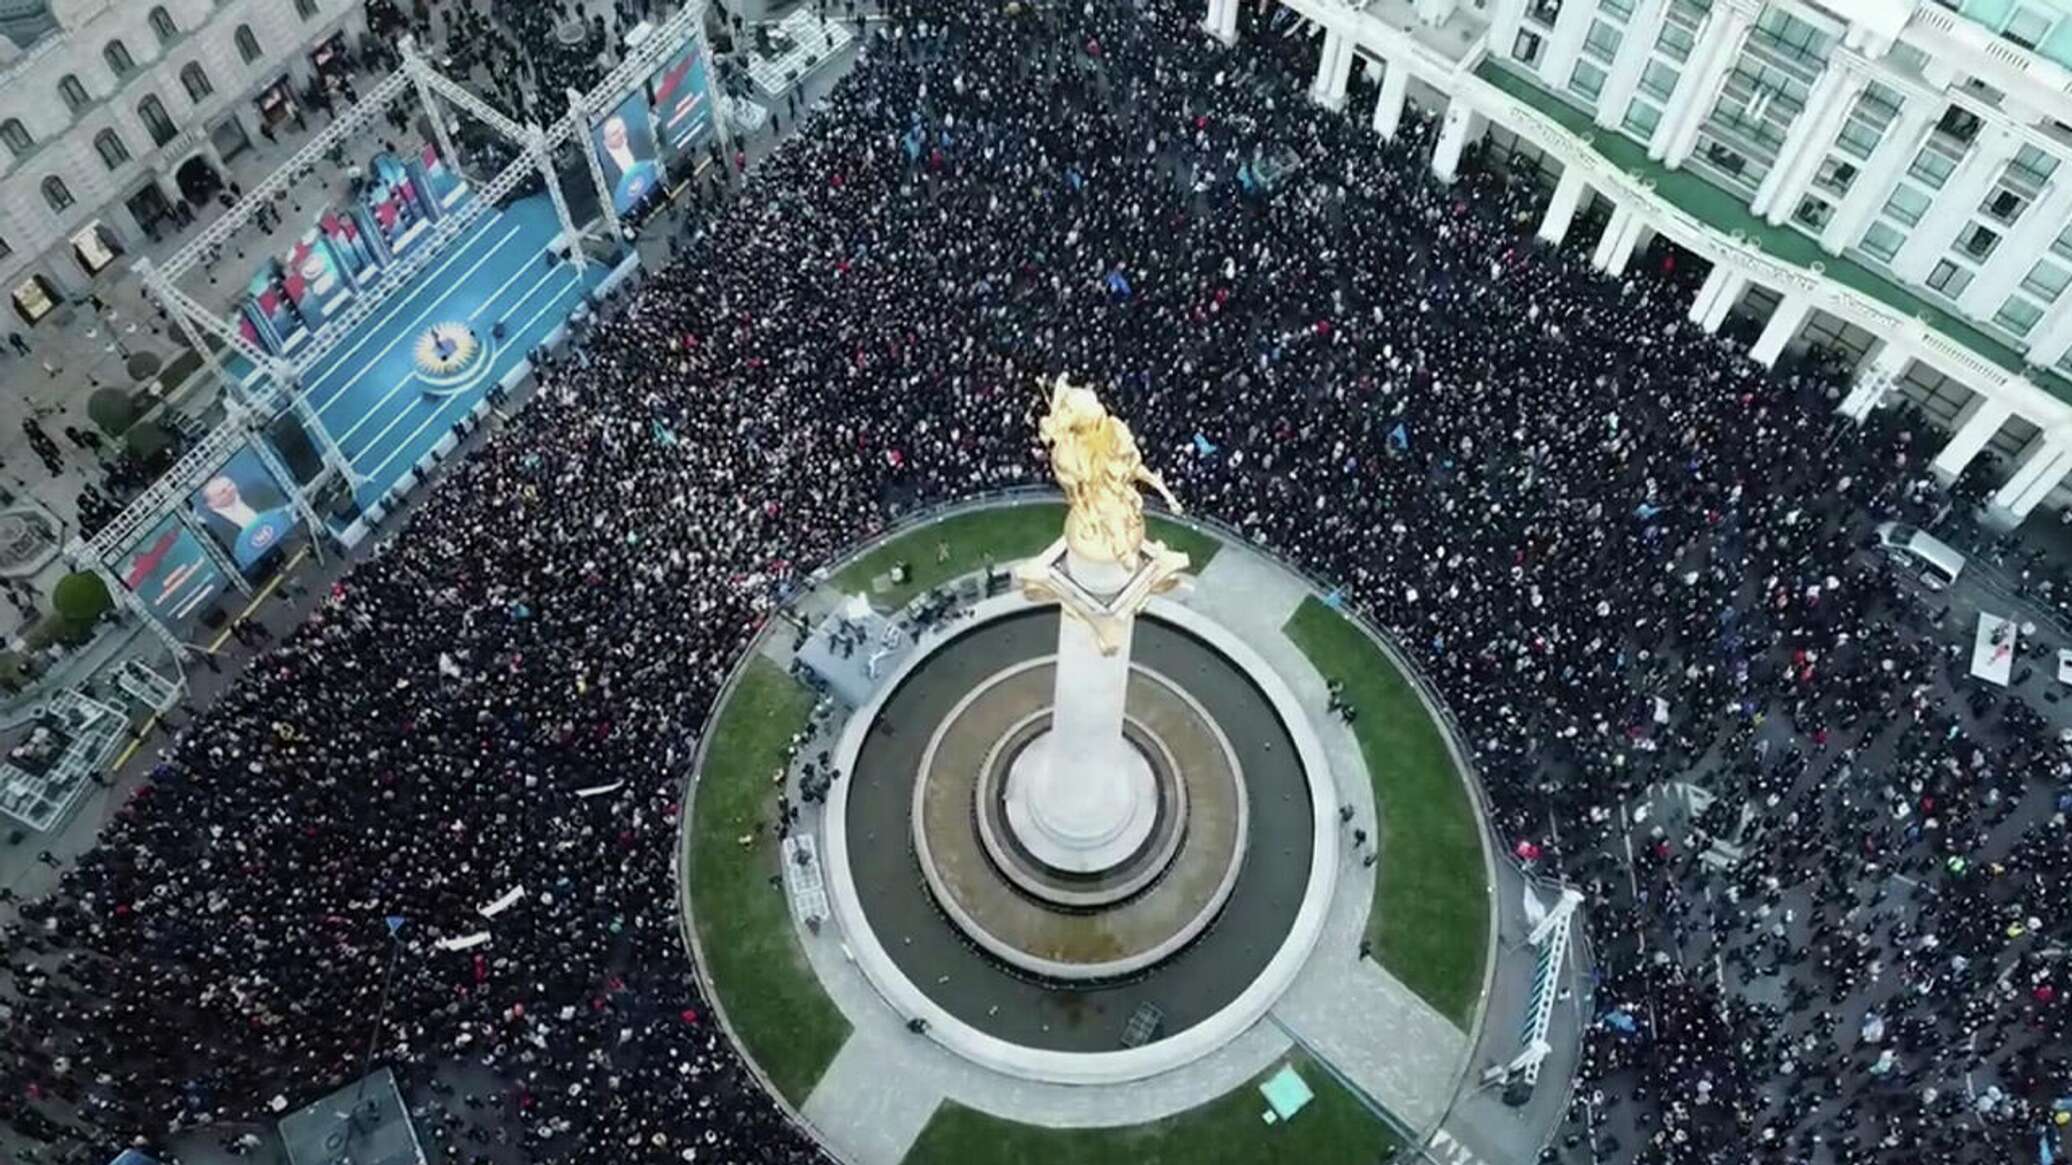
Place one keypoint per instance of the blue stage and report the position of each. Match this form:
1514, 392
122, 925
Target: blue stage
394, 386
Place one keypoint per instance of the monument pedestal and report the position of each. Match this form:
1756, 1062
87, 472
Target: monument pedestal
1081, 799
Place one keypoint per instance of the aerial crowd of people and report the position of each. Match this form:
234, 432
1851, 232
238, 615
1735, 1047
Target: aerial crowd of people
1628, 557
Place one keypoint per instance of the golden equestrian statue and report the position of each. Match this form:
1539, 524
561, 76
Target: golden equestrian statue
1098, 465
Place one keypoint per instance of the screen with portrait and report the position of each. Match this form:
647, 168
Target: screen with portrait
173, 576
245, 509
626, 149
683, 109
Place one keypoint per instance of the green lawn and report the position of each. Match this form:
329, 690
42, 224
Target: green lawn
1334, 1128
752, 954
1000, 535
1431, 901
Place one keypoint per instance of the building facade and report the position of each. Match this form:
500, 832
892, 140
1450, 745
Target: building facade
113, 112
1890, 178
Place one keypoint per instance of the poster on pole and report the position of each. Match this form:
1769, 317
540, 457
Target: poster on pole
172, 575
682, 104
245, 509
626, 149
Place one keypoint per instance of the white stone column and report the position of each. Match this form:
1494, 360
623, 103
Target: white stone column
2051, 338
1461, 126
1561, 208
1933, 235
1722, 290
1565, 43
1630, 62
1878, 378
1504, 16
1221, 21
1388, 107
1638, 232
2044, 463
1784, 324
1697, 89
1977, 424
1806, 144
1080, 798
1615, 245
2010, 263
1874, 180
1334, 69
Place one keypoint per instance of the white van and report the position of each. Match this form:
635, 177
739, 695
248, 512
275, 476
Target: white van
1931, 559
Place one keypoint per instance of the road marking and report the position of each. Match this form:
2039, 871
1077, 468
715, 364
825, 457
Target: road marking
1450, 1151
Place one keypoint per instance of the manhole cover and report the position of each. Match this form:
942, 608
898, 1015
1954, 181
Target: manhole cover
144, 365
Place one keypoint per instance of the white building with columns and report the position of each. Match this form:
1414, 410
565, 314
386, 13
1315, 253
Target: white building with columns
1887, 178
110, 111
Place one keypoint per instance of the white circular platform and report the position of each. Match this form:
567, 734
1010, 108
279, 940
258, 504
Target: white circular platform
1077, 811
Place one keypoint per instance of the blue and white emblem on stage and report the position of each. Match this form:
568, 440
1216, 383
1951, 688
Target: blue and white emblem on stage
452, 357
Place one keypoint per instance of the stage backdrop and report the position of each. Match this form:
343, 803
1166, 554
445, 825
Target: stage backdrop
683, 110
244, 509
626, 147
171, 573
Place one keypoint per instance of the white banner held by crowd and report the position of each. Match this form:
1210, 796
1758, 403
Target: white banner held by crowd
504, 903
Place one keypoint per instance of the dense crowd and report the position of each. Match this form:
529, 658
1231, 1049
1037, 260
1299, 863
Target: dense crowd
1625, 554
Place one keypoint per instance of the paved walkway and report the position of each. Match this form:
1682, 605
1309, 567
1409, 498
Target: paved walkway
885, 1085
1376, 1032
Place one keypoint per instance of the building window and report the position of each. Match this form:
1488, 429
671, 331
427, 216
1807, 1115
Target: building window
1949, 278
119, 60
306, 8
2046, 281
196, 82
247, 44
1882, 241
1658, 80
1835, 176
162, 25
1547, 12
1601, 44
2027, 27
1906, 204
2031, 167
1587, 81
56, 193
113, 152
18, 140
156, 123
2018, 315
1641, 120
1527, 47
74, 93
1931, 168
1977, 241
2062, 247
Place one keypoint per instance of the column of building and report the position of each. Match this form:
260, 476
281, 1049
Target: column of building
1561, 208
1719, 43
1976, 425
1460, 126
2039, 468
1722, 290
1636, 48
1959, 196
2020, 246
1221, 21
1565, 43
2051, 338
1806, 144
1873, 185
1388, 107
1876, 380
1621, 236
1782, 328
1334, 70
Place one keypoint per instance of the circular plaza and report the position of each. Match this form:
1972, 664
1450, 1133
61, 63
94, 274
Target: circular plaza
873, 891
